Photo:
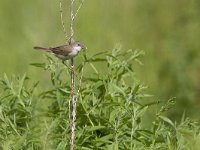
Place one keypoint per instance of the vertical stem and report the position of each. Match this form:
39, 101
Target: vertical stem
73, 98
71, 20
62, 21
73, 102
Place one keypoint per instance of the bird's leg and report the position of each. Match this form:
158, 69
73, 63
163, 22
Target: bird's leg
63, 61
70, 69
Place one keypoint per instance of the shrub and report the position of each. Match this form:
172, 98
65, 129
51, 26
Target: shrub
110, 111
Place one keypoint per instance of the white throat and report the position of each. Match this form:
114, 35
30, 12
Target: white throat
77, 48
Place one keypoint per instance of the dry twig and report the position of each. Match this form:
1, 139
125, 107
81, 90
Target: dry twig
81, 4
73, 98
62, 21
72, 115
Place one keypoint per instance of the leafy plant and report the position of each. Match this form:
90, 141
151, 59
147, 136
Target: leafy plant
110, 110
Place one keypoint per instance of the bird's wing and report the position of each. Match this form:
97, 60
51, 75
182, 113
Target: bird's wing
62, 50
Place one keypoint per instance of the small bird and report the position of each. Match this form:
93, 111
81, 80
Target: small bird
64, 52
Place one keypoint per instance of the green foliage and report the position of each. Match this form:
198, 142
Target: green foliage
18, 119
110, 110
167, 30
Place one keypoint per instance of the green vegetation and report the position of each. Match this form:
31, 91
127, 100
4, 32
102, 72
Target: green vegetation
168, 31
110, 111
115, 108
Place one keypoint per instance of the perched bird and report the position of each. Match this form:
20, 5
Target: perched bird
64, 52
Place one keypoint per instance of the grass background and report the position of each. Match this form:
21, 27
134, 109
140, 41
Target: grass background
168, 31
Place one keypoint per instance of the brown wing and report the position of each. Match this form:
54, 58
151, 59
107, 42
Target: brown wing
62, 50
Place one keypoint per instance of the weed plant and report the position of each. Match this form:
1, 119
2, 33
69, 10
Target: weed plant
110, 111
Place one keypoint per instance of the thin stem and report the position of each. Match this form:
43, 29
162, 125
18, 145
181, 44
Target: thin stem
73, 102
69, 69
73, 99
81, 3
62, 21
72, 115
71, 21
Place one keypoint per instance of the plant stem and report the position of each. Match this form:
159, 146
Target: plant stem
73, 98
73, 102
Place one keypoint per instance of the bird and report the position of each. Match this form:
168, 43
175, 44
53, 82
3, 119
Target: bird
64, 52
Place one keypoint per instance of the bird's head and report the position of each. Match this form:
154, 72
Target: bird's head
78, 46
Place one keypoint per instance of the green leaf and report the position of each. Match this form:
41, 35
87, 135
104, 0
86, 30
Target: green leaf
105, 138
100, 53
39, 65
167, 120
113, 146
113, 88
64, 91
95, 128
21, 84
96, 60
85, 148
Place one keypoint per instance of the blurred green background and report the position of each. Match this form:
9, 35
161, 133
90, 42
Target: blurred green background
168, 31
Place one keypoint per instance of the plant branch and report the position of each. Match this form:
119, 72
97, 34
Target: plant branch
71, 20
73, 99
73, 102
81, 4
72, 115
62, 21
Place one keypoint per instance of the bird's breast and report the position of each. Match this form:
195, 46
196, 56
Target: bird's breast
68, 56
73, 53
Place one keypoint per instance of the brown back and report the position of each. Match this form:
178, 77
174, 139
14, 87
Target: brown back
62, 50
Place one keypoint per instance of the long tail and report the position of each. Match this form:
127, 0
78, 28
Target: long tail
42, 48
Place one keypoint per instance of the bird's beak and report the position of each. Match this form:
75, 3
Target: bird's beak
84, 47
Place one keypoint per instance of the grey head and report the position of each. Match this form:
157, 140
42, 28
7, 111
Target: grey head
78, 46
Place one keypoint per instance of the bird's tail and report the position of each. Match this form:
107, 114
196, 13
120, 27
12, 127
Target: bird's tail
42, 48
